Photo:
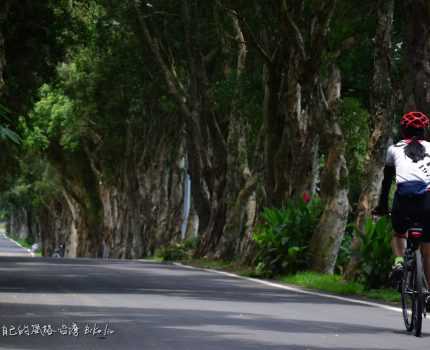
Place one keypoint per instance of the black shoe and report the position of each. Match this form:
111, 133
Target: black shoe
396, 275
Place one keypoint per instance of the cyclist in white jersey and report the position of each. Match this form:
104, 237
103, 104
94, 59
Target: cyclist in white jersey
408, 161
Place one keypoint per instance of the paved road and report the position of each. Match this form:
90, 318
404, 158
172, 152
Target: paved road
10, 248
163, 307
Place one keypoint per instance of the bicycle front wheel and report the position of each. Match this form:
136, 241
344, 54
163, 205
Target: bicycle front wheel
408, 298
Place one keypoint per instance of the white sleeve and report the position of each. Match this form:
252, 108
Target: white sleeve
390, 157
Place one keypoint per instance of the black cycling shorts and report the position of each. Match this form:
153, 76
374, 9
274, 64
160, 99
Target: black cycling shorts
411, 209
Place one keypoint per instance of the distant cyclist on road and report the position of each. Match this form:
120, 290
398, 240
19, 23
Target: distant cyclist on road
408, 161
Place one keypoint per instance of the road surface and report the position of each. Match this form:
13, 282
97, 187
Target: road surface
159, 306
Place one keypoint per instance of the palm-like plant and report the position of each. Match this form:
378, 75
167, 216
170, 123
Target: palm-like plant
6, 133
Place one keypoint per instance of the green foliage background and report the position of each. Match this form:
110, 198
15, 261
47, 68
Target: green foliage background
283, 237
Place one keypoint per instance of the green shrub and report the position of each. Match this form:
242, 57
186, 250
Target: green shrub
283, 237
376, 253
177, 251
172, 252
191, 244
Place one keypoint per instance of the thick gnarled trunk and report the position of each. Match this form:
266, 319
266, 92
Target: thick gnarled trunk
18, 223
291, 102
207, 129
241, 184
327, 238
417, 92
142, 205
383, 117
84, 233
4, 8
56, 224
81, 187
291, 142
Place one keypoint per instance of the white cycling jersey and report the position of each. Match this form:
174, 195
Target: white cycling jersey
406, 169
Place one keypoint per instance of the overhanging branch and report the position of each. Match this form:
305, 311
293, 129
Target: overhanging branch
298, 37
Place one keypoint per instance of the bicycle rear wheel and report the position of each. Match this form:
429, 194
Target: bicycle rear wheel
408, 298
420, 296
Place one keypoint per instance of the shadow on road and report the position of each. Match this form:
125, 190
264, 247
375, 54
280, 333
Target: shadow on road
160, 306
187, 329
47, 275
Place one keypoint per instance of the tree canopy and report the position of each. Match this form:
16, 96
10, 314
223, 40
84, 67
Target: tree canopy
109, 108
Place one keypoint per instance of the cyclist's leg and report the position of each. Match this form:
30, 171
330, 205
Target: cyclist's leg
425, 248
398, 244
398, 219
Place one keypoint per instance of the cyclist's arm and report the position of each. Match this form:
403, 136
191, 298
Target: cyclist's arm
389, 175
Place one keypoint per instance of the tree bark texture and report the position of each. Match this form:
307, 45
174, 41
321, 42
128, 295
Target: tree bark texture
142, 211
81, 187
4, 8
327, 238
241, 184
291, 101
55, 224
20, 223
417, 94
383, 116
131, 214
214, 143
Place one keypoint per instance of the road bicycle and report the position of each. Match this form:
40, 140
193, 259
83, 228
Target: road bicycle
414, 288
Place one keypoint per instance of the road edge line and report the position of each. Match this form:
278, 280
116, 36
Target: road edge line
295, 289
19, 245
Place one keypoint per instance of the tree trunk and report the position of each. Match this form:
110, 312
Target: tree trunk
273, 127
85, 230
4, 9
291, 96
206, 129
241, 185
291, 143
17, 225
161, 189
383, 115
56, 227
247, 248
417, 94
240, 221
82, 186
192, 224
211, 234
327, 238
142, 204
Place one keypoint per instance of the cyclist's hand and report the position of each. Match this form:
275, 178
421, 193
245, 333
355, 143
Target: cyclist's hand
380, 211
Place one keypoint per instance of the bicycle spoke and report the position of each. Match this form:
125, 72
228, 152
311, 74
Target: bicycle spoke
408, 299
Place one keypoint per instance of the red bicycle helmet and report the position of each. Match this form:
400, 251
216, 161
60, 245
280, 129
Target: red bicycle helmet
415, 120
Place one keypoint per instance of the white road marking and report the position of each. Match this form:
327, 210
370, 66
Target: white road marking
19, 245
296, 289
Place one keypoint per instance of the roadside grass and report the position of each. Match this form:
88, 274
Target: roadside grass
330, 283
229, 266
388, 295
336, 284
23, 242
310, 280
